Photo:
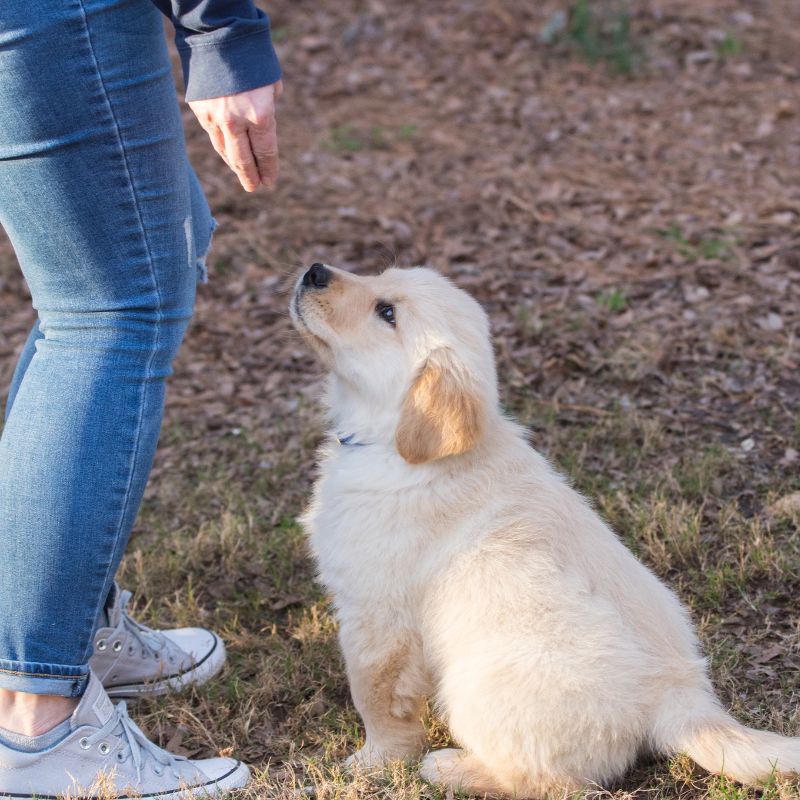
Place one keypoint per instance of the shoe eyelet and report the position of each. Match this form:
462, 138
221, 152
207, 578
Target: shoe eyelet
120, 756
84, 743
158, 770
116, 647
114, 677
130, 649
101, 644
104, 748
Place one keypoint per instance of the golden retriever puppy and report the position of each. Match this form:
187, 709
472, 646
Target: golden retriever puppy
465, 569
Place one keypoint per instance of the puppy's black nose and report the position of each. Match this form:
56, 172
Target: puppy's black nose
318, 276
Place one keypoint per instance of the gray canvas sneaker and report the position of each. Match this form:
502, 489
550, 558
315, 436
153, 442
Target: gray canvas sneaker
106, 755
131, 659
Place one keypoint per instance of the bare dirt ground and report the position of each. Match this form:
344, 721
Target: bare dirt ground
632, 227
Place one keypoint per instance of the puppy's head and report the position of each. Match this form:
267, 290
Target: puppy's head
409, 352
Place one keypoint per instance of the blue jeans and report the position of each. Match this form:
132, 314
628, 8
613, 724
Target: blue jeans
109, 226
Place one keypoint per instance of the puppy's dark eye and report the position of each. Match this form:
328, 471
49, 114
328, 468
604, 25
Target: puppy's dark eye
386, 312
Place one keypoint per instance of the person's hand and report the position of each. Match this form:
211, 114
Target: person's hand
243, 129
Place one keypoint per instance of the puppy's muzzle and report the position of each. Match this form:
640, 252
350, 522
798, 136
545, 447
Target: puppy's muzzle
318, 276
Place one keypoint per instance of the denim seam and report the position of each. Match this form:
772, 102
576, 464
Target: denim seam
160, 313
48, 675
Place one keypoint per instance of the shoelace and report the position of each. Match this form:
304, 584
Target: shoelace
136, 745
151, 641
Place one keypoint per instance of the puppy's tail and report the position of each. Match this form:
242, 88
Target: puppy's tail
721, 745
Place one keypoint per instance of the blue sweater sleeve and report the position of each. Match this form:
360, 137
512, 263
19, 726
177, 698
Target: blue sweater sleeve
224, 45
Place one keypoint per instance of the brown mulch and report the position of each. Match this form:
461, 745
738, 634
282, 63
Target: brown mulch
634, 237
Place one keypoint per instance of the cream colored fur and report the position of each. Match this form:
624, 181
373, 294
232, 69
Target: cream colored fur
470, 571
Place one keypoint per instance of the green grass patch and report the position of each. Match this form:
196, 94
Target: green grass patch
599, 31
705, 247
613, 300
349, 138
729, 46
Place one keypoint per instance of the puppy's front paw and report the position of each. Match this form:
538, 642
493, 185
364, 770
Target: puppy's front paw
442, 766
368, 757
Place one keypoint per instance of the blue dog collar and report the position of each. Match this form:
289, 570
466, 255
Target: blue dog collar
350, 441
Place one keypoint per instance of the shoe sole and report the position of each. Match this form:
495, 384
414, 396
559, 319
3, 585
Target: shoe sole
200, 673
237, 778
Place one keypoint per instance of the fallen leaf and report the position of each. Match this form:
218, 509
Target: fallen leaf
786, 506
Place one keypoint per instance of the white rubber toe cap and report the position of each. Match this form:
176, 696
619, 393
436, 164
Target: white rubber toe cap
206, 649
228, 773
198, 642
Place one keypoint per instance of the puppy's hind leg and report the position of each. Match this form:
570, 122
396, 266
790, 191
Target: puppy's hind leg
458, 770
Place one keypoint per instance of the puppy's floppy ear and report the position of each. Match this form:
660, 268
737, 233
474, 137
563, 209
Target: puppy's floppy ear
443, 413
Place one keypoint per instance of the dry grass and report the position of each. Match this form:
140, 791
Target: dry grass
217, 546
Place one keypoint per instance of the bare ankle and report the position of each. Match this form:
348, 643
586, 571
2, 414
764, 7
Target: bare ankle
33, 714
